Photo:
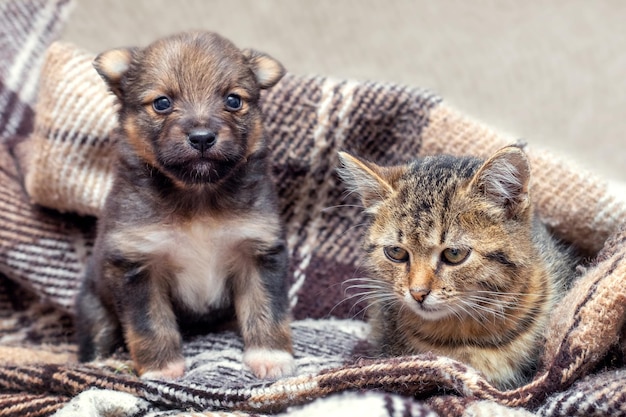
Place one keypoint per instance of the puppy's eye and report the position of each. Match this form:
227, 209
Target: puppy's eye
162, 104
233, 102
454, 256
396, 254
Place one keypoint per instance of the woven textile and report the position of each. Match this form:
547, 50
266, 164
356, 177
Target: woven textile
55, 180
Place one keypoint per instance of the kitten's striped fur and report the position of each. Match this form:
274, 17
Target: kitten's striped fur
459, 264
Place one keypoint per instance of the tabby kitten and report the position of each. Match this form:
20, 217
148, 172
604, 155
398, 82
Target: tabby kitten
460, 265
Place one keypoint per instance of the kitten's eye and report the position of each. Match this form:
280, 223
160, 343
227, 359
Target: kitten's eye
162, 104
233, 102
454, 256
396, 254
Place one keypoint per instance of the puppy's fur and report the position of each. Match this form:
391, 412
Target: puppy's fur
190, 229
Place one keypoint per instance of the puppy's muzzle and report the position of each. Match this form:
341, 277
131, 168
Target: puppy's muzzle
202, 139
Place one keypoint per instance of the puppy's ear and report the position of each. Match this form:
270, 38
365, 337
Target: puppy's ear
267, 70
112, 66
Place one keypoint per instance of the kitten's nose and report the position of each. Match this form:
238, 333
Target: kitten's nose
202, 139
419, 294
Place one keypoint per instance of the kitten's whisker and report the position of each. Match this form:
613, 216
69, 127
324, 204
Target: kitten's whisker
499, 313
469, 312
515, 294
344, 300
342, 206
367, 291
373, 298
385, 300
365, 287
345, 291
335, 306
351, 297
369, 296
474, 313
359, 281
352, 292
501, 304
355, 226
490, 301
485, 311
496, 311
366, 283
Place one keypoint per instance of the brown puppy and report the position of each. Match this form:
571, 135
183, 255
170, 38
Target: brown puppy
190, 229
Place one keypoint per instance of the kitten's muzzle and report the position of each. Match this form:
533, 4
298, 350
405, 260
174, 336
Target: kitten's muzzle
201, 139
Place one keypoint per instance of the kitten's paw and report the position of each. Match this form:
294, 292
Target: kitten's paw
172, 370
269, 363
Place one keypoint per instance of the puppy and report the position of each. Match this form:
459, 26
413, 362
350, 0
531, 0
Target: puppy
190, 233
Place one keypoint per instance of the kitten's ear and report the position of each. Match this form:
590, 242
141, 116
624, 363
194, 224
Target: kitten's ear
504, 178
266, 69
372, 182
112, 65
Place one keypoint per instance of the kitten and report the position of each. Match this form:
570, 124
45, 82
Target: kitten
460, 263
190, 230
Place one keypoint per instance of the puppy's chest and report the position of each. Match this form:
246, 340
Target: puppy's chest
201, 259
198, 257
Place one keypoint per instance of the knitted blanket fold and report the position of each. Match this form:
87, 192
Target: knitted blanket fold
56, 165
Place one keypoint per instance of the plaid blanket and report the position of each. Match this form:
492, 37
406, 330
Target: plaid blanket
55, 171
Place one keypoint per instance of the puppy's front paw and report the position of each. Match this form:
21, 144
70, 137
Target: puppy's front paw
172, 370
269, 363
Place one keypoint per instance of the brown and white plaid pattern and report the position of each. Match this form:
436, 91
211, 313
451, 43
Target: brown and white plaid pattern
26, 29
46, 235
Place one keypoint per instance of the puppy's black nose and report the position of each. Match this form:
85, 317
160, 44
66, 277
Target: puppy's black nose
202, 139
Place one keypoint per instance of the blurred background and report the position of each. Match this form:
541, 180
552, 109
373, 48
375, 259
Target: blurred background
550, 72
